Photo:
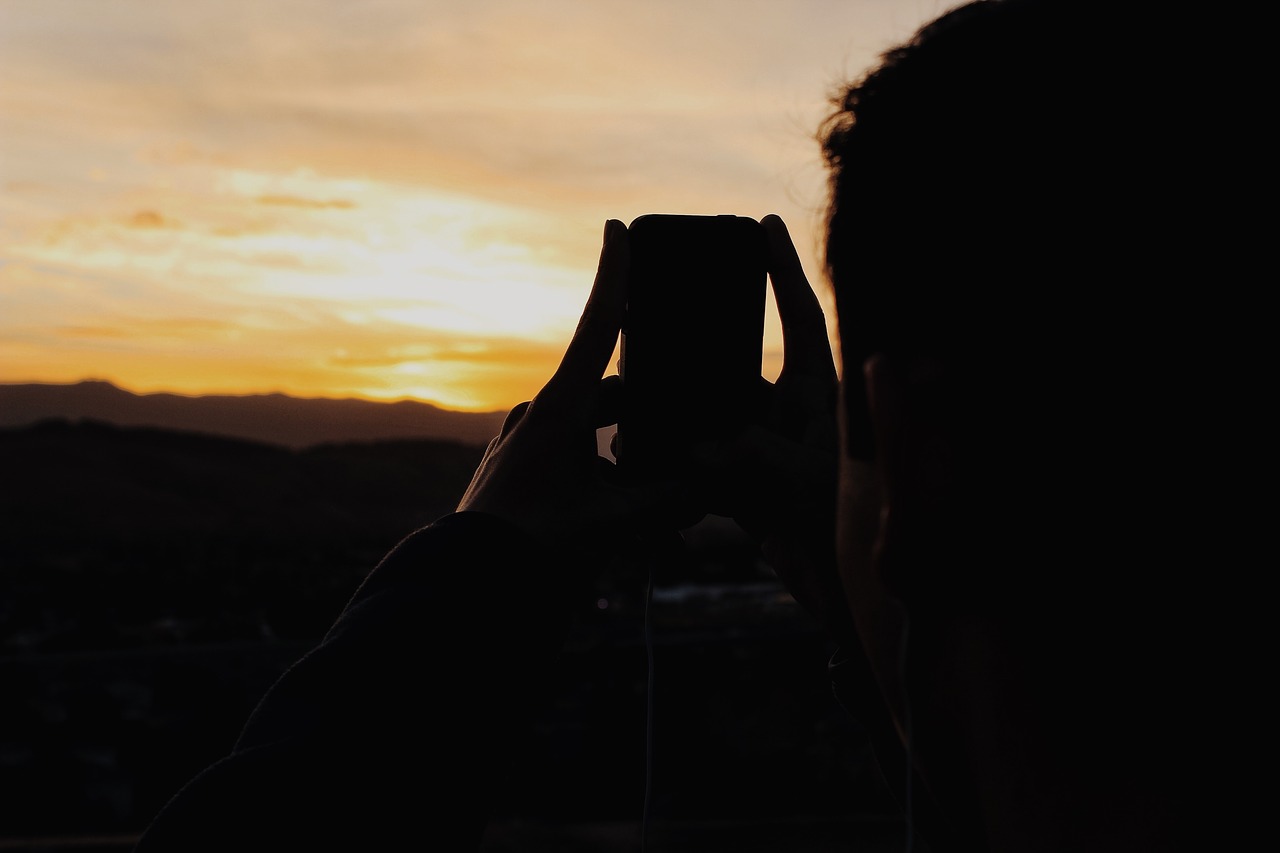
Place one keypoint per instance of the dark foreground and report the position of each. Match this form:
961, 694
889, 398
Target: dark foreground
155, 584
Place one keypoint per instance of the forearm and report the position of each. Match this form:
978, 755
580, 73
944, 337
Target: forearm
401, 719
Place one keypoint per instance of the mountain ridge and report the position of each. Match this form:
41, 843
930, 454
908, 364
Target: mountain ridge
280, 419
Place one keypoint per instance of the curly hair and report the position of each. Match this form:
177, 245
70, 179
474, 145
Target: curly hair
985, 170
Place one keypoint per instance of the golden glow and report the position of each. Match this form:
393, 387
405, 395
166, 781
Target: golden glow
404, 201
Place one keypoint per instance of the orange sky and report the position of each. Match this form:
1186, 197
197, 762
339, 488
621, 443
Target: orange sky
382, 199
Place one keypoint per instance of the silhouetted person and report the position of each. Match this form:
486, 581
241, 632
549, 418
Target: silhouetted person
996, 535
1022, 387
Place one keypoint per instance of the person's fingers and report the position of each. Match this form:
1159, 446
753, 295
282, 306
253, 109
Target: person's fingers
513, 417
806, 347
609, 402
658, 511
745, 460
800, 406
587, 356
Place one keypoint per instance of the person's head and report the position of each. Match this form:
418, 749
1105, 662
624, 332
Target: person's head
1000, 233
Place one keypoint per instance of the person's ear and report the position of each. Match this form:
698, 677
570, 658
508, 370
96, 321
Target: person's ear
914, 459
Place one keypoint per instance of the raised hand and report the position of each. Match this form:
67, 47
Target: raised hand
778, 479
542, 472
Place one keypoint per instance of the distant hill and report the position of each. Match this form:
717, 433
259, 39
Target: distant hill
105, 531
272, 418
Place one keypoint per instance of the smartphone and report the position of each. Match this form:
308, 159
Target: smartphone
692, 338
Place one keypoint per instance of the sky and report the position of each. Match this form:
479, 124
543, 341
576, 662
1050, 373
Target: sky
384, 199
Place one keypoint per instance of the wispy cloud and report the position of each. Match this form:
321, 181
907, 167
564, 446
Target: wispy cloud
307, 203
390, 198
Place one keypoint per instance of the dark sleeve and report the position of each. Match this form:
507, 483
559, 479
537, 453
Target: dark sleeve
856, 689
394, 731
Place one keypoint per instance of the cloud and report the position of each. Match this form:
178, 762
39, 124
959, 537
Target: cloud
566, 98
167, 328
151, 219
312, 175
306, 203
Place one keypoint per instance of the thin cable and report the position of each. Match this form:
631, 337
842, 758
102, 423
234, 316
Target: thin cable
648, 726
909, 795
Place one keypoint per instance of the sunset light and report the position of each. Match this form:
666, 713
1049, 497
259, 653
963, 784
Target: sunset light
385, 200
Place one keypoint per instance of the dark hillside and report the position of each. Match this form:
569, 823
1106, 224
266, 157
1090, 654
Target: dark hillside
129, 533
154, 583
296, 422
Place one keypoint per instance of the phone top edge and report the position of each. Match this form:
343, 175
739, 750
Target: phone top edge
653, 217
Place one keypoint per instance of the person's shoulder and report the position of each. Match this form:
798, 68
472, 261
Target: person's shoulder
459, 538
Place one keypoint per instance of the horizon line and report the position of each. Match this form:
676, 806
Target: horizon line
155, 393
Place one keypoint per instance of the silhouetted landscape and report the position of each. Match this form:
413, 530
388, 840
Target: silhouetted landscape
154, 582
270, 418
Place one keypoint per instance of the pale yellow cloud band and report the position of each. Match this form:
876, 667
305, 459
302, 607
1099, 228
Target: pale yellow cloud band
382, 199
